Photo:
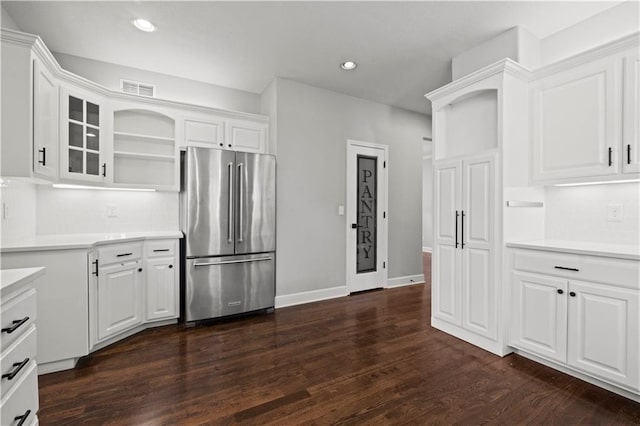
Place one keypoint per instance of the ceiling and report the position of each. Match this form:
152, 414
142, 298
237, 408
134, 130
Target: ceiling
403, 49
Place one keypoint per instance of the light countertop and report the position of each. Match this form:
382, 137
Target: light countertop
16, 277
79, 241
622, 251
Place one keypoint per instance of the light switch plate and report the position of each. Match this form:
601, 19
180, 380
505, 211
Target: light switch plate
341, 210
112, 210
615, 213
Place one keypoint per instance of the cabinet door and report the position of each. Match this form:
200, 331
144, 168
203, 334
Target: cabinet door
246, 136
539, 315
45, 122
446, 256
82, 138
631, 135
119, 298
204, 133
604, 326
477, 244
576, 122
161, 288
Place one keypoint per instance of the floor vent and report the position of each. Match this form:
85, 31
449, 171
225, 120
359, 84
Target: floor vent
137, 88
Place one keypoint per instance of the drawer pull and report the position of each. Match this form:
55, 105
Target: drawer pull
23, 418
16, 324
19, 366
560, 291
157, 250
123, 254
572, 293
564, 268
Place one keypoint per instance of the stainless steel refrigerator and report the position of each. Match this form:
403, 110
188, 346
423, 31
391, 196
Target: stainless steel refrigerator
228, 217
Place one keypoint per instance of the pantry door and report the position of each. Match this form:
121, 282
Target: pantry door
366, 218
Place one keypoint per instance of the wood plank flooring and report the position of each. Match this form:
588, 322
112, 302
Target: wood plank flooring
371, 358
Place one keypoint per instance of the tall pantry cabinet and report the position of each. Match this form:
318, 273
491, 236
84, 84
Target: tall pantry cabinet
479, 158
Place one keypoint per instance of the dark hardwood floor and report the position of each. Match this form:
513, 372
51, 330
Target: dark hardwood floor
371, 358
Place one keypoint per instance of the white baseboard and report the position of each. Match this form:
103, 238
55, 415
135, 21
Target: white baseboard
310, 296
402, 281
427, 249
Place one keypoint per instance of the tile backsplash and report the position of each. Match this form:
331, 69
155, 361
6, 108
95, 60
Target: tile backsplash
580, 213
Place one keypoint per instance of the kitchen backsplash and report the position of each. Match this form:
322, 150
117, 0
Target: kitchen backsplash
72, 211
18, 210
580, 213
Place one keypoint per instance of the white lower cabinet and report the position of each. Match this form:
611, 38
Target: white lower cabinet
593, 328
132, 285
161, 281
119, 298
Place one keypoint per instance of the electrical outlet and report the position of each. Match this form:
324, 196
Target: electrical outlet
112, 210
5, 211
615, 213
341, 210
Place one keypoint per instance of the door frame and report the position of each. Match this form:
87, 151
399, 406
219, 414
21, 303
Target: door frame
351, 195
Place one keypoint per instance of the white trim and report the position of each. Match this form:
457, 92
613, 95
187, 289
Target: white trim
310, 296
427, 249
403, 281
52, 367
383, 241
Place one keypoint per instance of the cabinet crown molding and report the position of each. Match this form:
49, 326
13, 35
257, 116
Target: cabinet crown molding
34, 42
503, 66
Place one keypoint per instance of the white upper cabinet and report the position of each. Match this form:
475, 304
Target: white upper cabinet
576, 122
631, 121
246, 134
83, 155
206, 132
45, 121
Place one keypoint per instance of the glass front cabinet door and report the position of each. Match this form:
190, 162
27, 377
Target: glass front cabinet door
82, 147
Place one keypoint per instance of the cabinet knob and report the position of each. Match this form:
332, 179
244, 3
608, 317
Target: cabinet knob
572, 293
170, 266
229, 145
139, 269
221, 144
560, 291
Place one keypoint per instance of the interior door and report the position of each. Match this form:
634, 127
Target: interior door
446, 253
366, 216
255, 225
209, 181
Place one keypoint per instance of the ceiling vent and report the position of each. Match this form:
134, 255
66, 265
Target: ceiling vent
137, 88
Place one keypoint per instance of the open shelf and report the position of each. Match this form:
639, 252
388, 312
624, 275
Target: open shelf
143, 155
141, 136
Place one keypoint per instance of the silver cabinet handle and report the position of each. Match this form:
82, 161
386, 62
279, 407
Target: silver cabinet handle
230, 207
226, 262
240, 203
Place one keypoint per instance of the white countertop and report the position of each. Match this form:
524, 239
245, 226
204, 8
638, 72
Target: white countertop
15, 277
622, 251
79, 241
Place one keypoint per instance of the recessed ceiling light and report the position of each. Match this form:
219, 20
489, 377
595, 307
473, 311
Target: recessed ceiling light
143, 25
348, 65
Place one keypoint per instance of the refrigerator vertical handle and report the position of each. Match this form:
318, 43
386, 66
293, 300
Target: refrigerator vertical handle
230, 207
240, 203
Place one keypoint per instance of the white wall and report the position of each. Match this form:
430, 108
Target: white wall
167, 87
18, 210
427, 203
71, 211
313, 127
604, 27
579, 213
269, 107
6, 21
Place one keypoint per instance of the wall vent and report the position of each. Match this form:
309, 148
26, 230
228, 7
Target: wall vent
137, 88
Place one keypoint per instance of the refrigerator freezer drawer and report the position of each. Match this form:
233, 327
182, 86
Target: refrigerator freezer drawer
220, 286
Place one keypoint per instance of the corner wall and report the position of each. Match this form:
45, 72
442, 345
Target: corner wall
313, 127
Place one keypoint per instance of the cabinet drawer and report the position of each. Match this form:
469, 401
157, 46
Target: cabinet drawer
620, 272
22, 399
160, 248
119, 253
16, 317
16, 358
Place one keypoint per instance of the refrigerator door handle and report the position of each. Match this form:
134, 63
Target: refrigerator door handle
240, 203
226, 262
230, 207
